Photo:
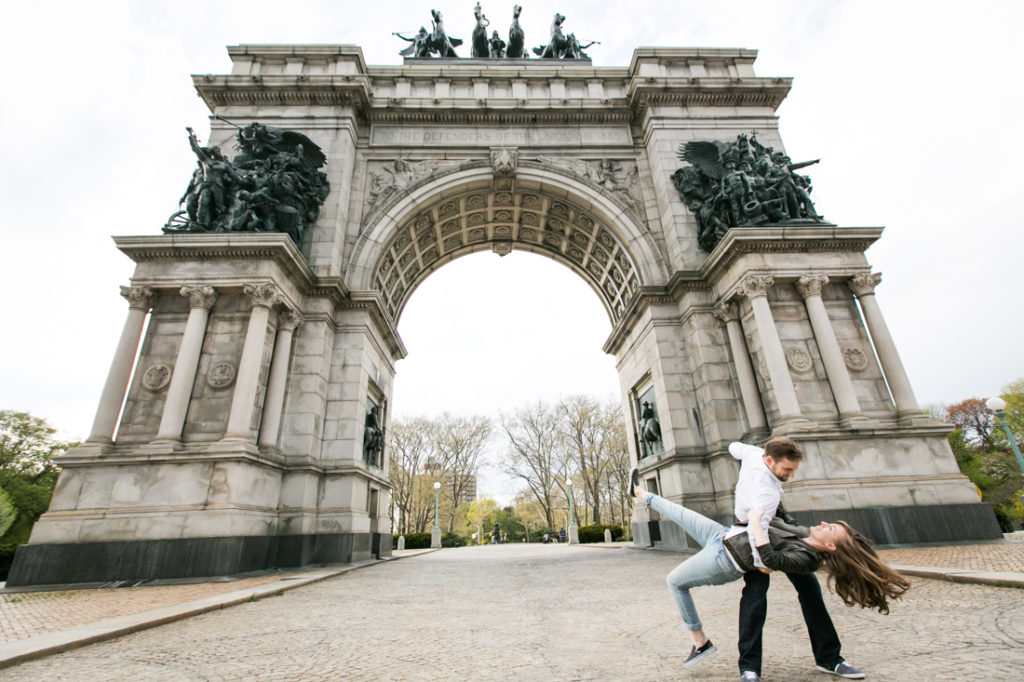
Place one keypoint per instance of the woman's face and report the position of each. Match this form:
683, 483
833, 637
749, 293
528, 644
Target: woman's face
829, 534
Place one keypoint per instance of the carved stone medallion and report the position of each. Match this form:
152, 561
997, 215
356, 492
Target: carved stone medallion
156, 377
221, 375
855, 359
798, 359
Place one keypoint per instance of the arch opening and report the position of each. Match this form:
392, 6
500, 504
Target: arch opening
530, 217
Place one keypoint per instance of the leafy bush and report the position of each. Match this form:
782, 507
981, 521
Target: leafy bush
595, 533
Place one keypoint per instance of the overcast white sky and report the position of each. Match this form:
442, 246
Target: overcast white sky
915, 110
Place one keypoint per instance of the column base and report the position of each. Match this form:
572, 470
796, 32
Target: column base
573, 534
435, 539
914, 418
857, 422
793, 425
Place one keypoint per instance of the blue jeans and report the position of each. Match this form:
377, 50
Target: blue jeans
710, 566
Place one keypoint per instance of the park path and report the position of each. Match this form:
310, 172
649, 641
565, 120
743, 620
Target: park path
544, 612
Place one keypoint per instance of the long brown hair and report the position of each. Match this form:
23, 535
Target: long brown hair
858, 576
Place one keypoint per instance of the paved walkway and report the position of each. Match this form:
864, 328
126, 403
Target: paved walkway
508, 612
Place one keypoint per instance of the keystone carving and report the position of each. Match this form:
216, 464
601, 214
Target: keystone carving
504, 160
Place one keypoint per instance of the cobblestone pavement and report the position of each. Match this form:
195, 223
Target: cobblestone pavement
25, 614
515, 612
1003, 556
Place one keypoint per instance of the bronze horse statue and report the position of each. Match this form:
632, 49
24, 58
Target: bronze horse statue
481, 46
516, 37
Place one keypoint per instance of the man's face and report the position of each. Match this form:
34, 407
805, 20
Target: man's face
784, 469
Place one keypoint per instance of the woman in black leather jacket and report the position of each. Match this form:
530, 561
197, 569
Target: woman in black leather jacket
856, 573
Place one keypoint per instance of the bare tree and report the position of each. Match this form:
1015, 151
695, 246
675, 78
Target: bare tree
586, 436
460, 443
410, 448
974, 418
534, 455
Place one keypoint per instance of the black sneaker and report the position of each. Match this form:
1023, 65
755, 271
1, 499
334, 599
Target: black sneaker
843, 669
697, 655
634, 480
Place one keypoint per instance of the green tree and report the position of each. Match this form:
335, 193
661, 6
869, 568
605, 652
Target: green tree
8, 512
985, 456
28, 475
480, 516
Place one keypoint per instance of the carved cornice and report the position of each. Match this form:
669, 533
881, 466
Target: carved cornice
644, 298
742, 241
707, 92
277, 247
373, 303
498, 112
285, 90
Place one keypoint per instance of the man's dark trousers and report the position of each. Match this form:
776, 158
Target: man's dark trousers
754, 607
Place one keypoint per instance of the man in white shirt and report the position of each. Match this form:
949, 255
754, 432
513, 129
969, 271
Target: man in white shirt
762, 472
759, 486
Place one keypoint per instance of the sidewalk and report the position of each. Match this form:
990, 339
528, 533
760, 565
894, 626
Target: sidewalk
40, 623
37, 624
998, 563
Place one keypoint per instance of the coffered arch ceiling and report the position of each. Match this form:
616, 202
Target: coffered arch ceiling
528, 217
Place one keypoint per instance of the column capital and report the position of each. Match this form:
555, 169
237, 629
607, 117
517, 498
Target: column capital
265, 294
864, 284
137, 297
200, 297
726, 312
288, 319
811, 285
756, 286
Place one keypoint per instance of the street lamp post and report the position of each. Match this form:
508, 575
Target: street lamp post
998, 405
435, 535
574, 536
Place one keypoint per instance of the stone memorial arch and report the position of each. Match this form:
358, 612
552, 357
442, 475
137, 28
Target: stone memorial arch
243, 419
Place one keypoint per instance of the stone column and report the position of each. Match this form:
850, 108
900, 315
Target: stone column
287, 321
756, 289
728, 314
809, 287
121, 366
863, 287
200, 300
263, 297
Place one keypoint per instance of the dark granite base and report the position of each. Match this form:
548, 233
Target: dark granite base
91, 562
915, 525
884, 525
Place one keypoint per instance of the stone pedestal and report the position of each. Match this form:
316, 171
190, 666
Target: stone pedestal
572, 536
435, 538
